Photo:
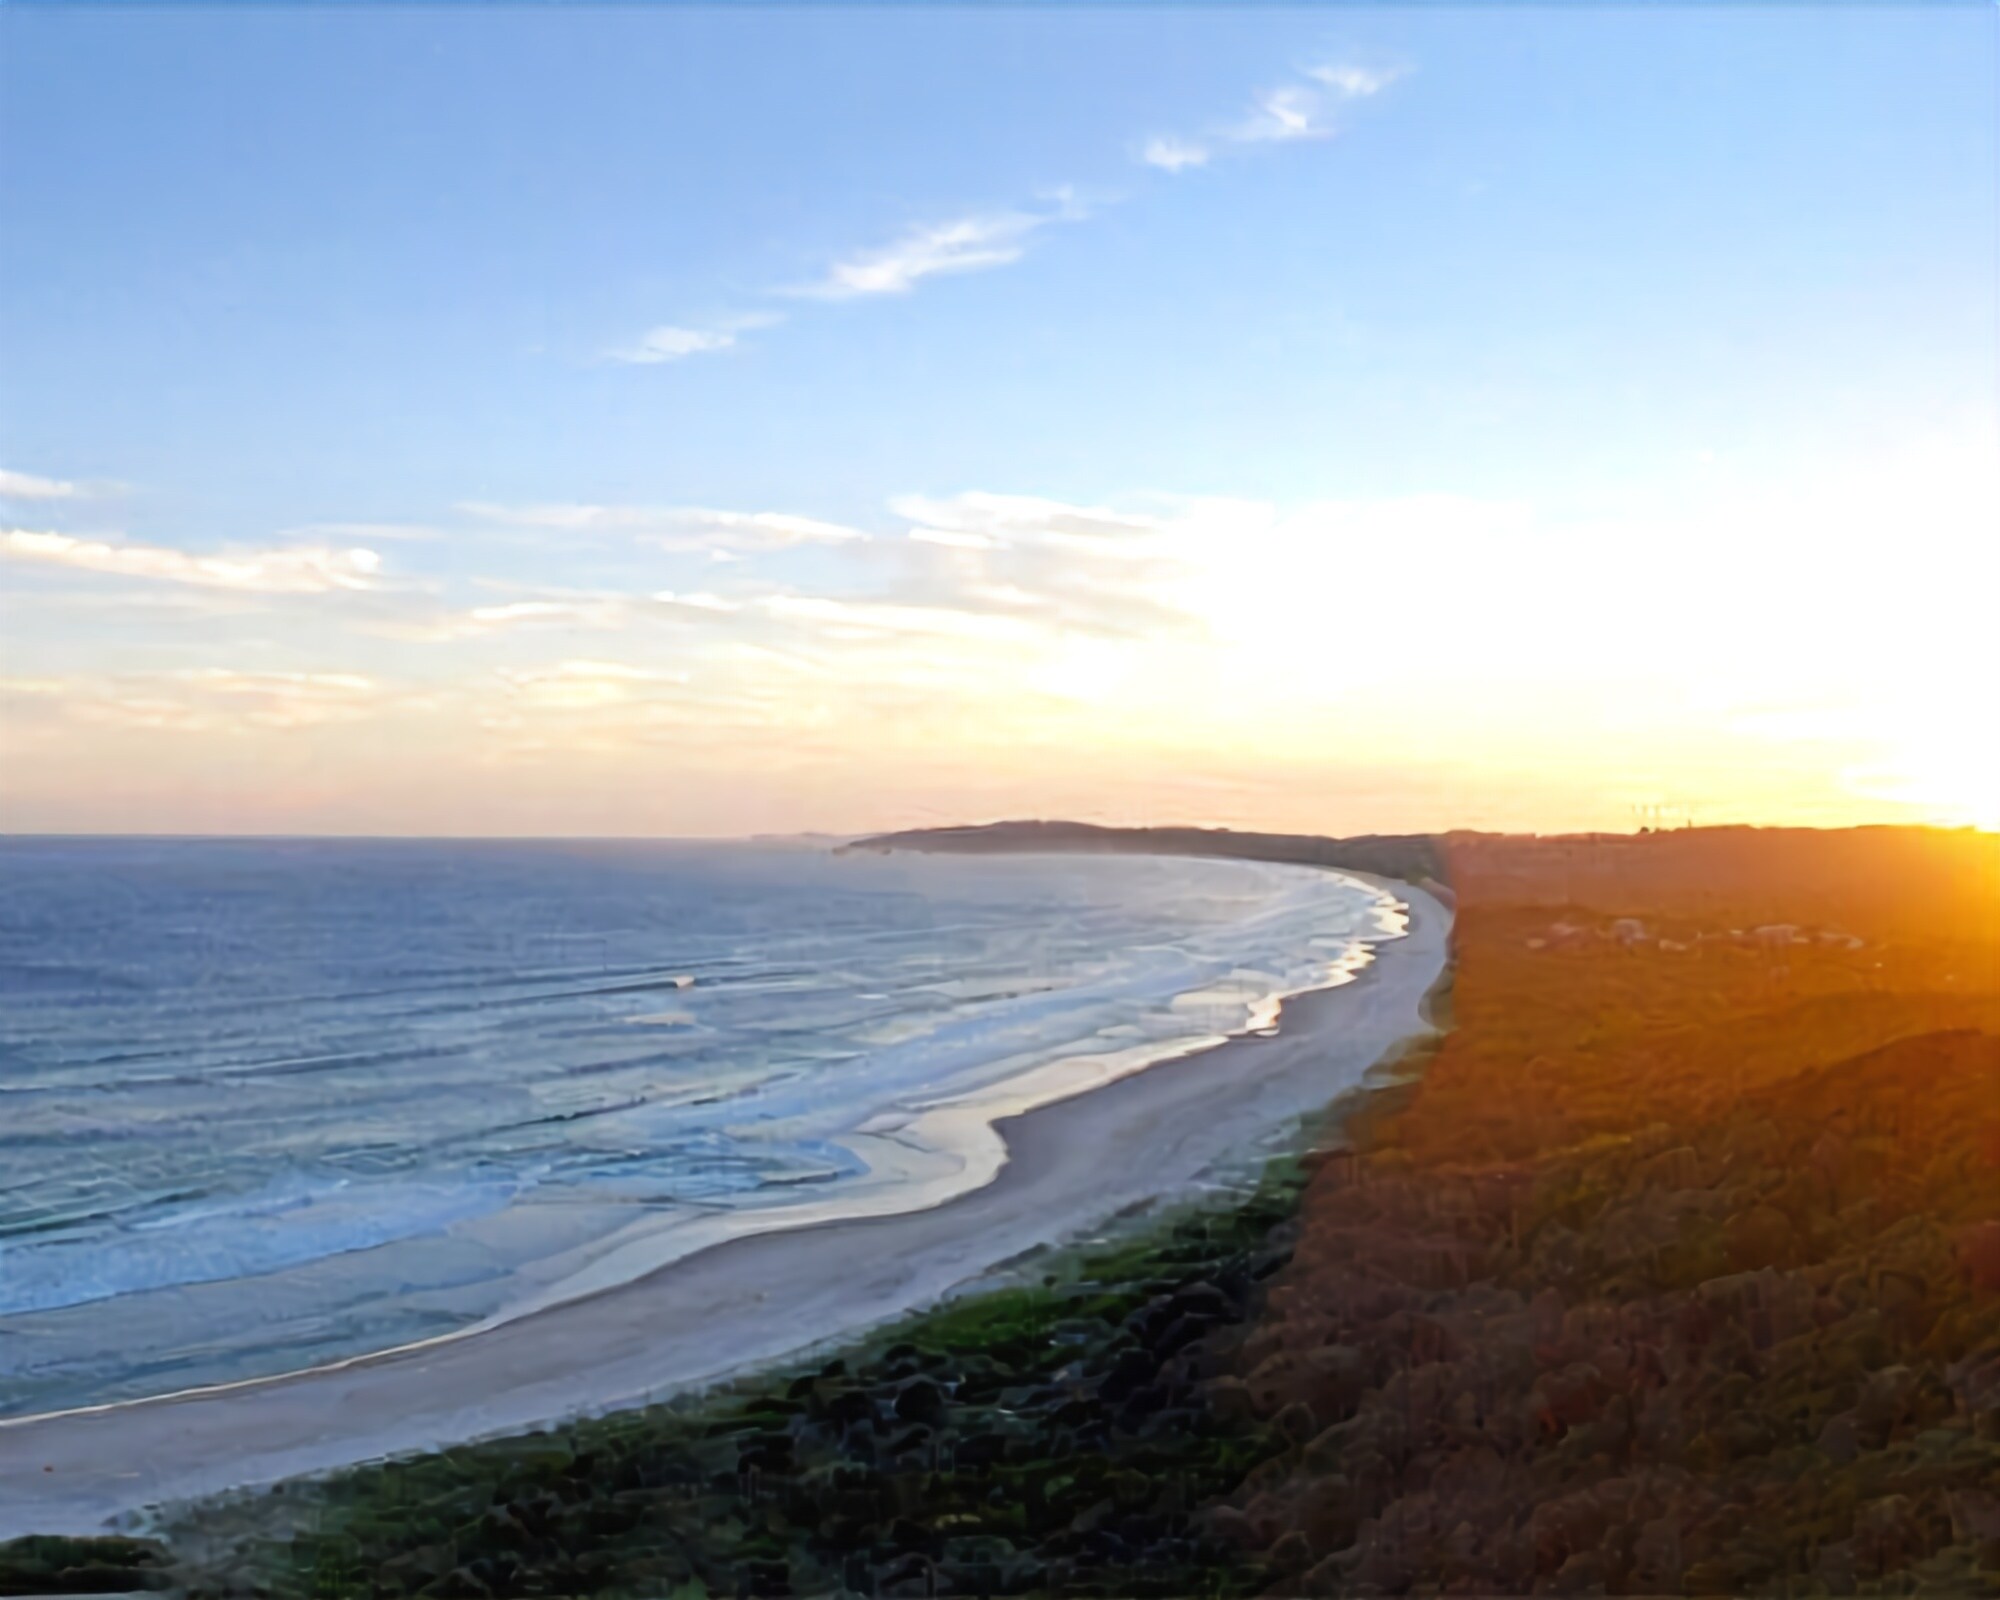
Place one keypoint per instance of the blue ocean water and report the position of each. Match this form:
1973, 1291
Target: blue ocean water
268, 1103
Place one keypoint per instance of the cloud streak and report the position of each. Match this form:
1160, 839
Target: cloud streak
1287, 114
984, 240
1064, 570
670, 342
1353, 82
1281, 116
966, 244
203, 700
584, 685
973, 243
292, 569
29, 486
972, 570
557, 611
370, 532
1170, 154
681, 528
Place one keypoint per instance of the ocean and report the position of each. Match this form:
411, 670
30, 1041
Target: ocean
269, 1104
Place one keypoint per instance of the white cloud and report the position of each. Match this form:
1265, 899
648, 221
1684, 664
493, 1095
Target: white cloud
27, 486
700, 601
753, 530
583, 685
208, 699
338, 686
1073, 570
1286, 114
967, 244
588, 613
392, 532
563, 516
857, 619
1282, 115
1353, 82
605, 612
674, 527
672, 343
291, 569
977, 519
1170, 154
974, 566
954, 538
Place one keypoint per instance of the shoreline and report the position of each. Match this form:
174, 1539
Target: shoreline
916, 1155
713, 1314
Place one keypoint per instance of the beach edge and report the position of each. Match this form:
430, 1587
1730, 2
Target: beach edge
642, 1341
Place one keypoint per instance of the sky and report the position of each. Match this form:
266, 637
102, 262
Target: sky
572, 420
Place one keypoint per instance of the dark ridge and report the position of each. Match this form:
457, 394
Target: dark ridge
1411, 856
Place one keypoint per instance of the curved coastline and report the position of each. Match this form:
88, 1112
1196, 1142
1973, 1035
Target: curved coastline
912, 1154
1023, 1165
921, 1156
613, 1152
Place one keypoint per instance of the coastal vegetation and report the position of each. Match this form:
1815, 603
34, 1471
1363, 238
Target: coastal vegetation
1054, 1436
1414, 857
1679, 1271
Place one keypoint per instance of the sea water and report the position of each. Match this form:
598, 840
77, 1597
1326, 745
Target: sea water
267, 1104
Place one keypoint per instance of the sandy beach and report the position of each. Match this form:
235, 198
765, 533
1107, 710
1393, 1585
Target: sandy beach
1070, 1166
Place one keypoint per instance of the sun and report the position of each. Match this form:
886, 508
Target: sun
1948, 776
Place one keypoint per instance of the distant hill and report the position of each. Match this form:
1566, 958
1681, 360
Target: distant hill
1869, 879
1866, 879
1410, 856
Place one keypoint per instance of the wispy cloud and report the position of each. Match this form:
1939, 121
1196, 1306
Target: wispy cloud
975, 568
860, 619
28, 486
997, 519
204, 699
752, 530
1170, 154
670, 342
697, 601
557, 611
686, 528
585, 685
286, 699
983, 240
602, 612
605, 613
1286, 114
966, 244
370, 532
1352, 82
290, 569
1071, 570
1282, 115
973, 243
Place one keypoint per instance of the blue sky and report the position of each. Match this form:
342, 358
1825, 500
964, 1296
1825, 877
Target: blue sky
283, 285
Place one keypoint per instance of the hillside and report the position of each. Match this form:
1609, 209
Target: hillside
1413, 856
1676, 1270
1679, 1272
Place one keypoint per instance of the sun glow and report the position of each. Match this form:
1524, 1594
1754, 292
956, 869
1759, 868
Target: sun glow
1811, 650
1948, 775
